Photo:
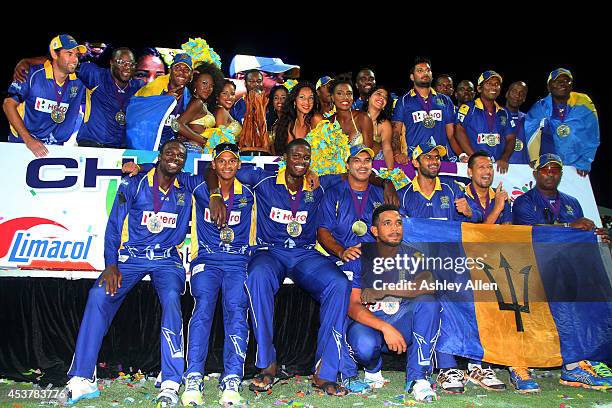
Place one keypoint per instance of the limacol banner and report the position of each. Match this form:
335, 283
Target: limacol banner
54, 211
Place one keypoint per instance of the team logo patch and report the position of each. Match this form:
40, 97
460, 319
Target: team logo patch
242, 202
376, 204
180, 198
503, 120
308, 197
73, 91
445, 202
439, 101
569, 209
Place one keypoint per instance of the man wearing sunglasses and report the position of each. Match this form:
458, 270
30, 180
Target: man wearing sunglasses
106, 98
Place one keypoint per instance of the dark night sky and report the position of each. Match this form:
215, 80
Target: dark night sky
528, 57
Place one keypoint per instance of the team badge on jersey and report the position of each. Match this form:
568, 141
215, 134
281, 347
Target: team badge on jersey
445, 202
439, 101
503, 120
242, 202
376, 204
180, 198
569, 209
308, 197
73, 91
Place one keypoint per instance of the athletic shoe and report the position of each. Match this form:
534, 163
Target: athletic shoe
355, 385
375, 380
230, 390
421, 391
79, 388
486, 378
602, 370
452, 380
193, 390
583, 376
522, 379
168, 397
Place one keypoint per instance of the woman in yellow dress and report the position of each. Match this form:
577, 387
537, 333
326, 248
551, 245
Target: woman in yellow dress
356, 125
206, 85
227, 129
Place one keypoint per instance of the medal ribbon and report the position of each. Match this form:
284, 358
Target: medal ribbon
294, 201
425, 104
59, 92
359, 206
490, 118
121, 100
229, 206
489, 207
556, 207
157, 204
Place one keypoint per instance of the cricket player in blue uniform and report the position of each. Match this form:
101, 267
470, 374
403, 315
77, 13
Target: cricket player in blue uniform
390, 323
546, 205
429, 196
515, 97
480, 203
427, 116
219, 262
485, 125
286, 237
149, 218
44, 109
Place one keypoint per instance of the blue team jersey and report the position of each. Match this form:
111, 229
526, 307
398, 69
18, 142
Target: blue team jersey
439, 205
472, 116
337, 213
127, 230
238, 110
521, 154
478, 213
39, 96
410, 112
274, 207
103, 100
358, 104
533, 208
204, 234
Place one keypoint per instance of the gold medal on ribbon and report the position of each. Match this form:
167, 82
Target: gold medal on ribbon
120, 118
390, 308
226, 235
174, 124
518, 145
359, 228
563, 130
154, 224
429, 122
294, 229
57, 115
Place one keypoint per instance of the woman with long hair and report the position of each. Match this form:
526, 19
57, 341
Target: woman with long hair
379, 109
298, 116
206, 85
278, 95
229, 127
356, 125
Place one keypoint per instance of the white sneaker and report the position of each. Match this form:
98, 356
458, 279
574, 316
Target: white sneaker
485, 377
422, 391
375, 380
79, 388
452, 380
230, 387
193, 390
168, 397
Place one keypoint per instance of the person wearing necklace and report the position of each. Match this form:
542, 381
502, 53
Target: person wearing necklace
207, 83
485, 125
380, 111
172, 84
356, 125
426, 115
278, 94
299, 115
223, 119
564, 123
515, 97
51, 96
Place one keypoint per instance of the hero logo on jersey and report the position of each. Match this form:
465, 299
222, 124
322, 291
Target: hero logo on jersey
419, 116
234, 218
285, 216
168, 220
47, 106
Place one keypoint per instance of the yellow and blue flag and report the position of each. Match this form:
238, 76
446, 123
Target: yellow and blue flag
534, 296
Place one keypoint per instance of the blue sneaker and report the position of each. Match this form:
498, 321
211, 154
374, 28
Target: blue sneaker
355, 385
523, 381
602, 370
584, 376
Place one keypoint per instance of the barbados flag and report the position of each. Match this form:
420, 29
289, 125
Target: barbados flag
145, 119
534, 296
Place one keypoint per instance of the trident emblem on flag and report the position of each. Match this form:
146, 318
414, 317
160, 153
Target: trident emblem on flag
514, 306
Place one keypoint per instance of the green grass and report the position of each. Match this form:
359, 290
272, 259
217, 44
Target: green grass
298, 392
